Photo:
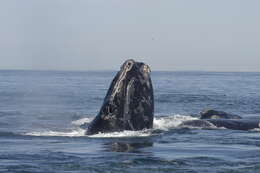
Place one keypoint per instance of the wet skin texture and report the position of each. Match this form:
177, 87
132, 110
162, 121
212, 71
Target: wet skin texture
234, 124
129, 102
214, 114
211, 117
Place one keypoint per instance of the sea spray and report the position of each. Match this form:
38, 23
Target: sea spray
164, 123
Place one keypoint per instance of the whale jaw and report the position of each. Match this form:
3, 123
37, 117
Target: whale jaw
129, 102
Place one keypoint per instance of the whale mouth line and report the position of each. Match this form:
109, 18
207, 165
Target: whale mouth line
118, 84
126, 114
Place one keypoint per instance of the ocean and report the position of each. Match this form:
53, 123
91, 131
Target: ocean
41, 113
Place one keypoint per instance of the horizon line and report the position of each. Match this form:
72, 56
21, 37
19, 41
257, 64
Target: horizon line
114, 70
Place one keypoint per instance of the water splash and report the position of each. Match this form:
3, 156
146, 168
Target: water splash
169, 122
164, 123
126, 133
81, 121
74, 133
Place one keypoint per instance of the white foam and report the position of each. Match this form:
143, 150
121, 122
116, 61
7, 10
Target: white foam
170, 122
74, 133
81, 121
255, 130
125, 133
160, 123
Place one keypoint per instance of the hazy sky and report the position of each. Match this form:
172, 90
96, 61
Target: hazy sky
216, 35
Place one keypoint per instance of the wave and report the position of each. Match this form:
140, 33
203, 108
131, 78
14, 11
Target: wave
6, 134
73, 133
163, 123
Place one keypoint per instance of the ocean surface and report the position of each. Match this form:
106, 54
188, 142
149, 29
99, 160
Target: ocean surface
41, 113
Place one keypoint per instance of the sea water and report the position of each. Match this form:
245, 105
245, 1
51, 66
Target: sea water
41, 114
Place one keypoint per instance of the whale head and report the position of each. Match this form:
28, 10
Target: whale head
129, 102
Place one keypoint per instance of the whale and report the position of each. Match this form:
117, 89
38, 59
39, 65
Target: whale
213, 118
215, 114
233, 124
129, 102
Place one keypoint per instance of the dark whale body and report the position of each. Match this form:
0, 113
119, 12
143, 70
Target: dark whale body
241, 124
234, 124
129, 102
214, 114
215, 118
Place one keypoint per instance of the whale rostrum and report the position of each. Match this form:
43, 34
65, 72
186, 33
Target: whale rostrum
129, 102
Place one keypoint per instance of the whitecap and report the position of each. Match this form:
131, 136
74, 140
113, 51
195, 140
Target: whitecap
255, 130
82, 121
160, 123
73, 133
170, 122
126, 133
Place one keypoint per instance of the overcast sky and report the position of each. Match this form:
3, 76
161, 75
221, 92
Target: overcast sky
215, 35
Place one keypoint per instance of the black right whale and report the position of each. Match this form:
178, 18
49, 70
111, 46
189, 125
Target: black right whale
211, 117
129, 103
215, 114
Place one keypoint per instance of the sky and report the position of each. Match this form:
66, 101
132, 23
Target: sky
170, 35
